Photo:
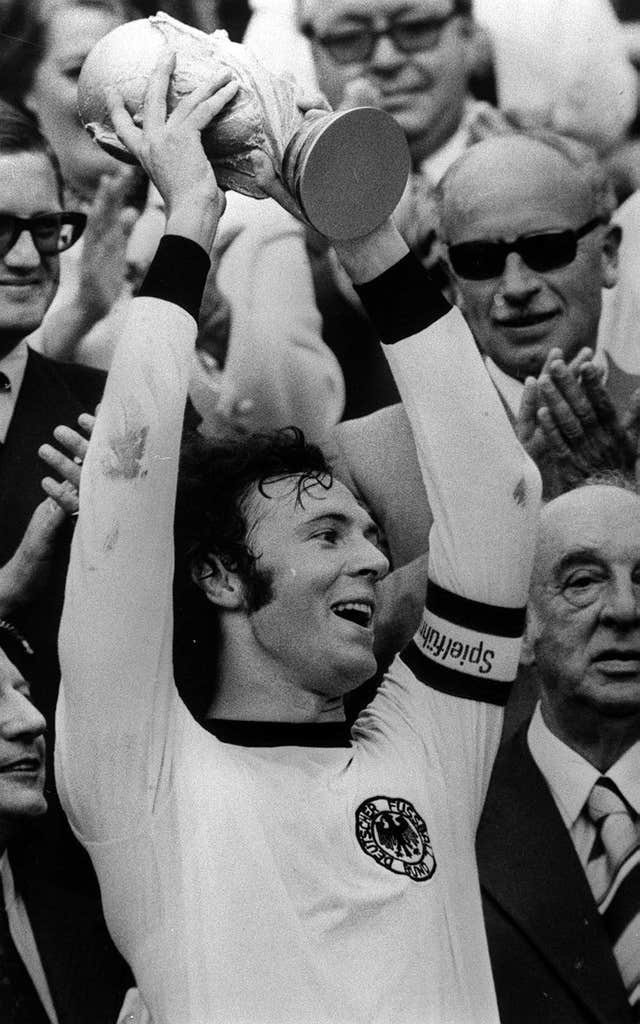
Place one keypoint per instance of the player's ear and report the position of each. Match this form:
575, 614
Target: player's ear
220, 585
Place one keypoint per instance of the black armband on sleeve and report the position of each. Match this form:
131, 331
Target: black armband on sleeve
466, 648
403, 301
178, 273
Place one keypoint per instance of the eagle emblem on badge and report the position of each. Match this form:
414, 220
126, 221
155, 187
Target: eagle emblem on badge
390, 830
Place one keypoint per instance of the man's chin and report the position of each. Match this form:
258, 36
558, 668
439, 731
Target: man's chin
618, 699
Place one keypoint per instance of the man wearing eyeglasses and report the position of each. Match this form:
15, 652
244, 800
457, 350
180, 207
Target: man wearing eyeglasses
36, 394
413, 56
413, 59
88, 978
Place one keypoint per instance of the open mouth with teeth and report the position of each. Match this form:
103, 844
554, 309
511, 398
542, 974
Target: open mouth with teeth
358, 612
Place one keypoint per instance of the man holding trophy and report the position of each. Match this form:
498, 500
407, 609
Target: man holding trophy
268, 864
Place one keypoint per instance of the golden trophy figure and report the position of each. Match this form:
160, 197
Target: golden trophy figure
345, 170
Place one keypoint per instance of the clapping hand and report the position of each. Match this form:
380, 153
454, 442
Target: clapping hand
103, 266
24, 576
66, 460
569, 426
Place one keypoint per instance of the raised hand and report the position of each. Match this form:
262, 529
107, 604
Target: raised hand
170, 149
103, 266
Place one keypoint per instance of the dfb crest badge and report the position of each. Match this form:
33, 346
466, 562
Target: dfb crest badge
390, 830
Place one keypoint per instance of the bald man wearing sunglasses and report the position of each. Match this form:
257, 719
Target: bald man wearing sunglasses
527, 243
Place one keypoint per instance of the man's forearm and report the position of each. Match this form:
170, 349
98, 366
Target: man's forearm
483, 489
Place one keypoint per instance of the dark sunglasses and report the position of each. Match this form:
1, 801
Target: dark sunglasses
51, 232
354, 45
546, 250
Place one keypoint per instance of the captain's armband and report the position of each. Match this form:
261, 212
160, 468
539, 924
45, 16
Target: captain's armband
466, 648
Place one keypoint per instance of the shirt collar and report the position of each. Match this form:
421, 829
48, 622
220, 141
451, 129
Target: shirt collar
510, 388
14, 363
570, 778
626, 775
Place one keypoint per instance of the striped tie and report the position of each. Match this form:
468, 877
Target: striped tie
613, 872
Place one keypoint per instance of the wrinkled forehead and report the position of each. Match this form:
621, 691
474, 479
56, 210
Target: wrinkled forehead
510, 185
600, 521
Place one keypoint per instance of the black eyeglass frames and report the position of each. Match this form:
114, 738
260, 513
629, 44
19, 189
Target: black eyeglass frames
51, 232
541, 251
357, 44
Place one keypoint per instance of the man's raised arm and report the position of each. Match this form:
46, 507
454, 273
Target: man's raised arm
483, 492
114, 712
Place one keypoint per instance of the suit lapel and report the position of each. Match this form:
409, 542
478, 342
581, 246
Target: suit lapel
529, 867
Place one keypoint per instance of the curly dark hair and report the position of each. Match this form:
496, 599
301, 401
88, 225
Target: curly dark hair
215, 482
216, 479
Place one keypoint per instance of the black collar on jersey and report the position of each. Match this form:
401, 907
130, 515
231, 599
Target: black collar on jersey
279, 734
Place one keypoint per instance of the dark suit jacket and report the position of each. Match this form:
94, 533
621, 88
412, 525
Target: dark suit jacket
86, 976
551, 957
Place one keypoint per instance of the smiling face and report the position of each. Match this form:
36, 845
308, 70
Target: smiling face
322, 562
424, 91
585, 608
28, 281
71, 32
512, 186
21, 752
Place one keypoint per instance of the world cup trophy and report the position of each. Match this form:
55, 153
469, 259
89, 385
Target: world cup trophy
345, 170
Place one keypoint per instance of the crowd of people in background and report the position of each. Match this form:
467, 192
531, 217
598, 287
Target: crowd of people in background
288, 787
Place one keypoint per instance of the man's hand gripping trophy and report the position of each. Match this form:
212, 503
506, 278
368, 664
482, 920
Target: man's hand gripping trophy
344, 171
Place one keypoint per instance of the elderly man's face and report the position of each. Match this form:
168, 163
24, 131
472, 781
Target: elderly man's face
584, 631
425, 89
504, 189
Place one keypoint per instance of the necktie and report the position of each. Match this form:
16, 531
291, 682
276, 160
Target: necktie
613, 871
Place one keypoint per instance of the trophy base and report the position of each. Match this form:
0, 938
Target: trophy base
349, 171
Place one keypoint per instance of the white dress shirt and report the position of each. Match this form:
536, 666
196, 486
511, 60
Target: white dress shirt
13, 365
571, 779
